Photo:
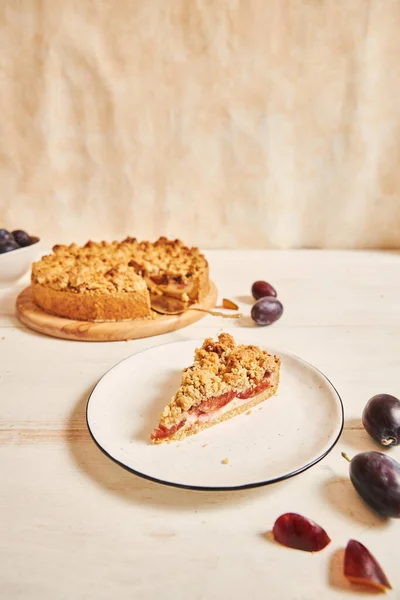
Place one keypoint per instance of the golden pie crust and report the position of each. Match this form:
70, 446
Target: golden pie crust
114, 281
220, 367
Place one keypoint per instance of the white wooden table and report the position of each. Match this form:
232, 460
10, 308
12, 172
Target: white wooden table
74, 525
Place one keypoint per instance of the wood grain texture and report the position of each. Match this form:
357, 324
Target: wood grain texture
240, 123
35, 318
74, 525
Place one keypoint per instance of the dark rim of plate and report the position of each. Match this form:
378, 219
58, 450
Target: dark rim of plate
201, 488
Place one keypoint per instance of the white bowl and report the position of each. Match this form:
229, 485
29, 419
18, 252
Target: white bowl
15, 264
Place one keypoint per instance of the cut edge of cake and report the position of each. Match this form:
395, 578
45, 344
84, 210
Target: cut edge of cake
115, 281
252, 382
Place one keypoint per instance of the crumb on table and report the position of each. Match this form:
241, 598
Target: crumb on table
248, 412
204, 445
225, 461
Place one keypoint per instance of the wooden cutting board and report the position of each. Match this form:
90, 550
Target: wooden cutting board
35, 318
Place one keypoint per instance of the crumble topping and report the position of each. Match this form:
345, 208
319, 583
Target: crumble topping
117, 266
219, 366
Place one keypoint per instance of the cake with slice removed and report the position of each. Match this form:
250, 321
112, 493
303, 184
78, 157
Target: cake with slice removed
225, 380
117, 281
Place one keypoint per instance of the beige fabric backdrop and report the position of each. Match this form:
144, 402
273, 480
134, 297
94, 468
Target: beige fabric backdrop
228, 123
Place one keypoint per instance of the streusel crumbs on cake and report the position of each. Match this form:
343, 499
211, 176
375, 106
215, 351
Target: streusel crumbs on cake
116, 266
218, 367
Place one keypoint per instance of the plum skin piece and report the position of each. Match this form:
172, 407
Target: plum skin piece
362, 568
298, 532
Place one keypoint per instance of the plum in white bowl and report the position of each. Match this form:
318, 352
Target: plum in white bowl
18, 250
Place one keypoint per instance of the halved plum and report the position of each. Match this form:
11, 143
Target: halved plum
163, 432
261, 387
362, 568
295, 531
214, 403
211, 405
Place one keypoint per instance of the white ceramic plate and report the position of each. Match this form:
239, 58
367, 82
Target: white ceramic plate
282, 437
